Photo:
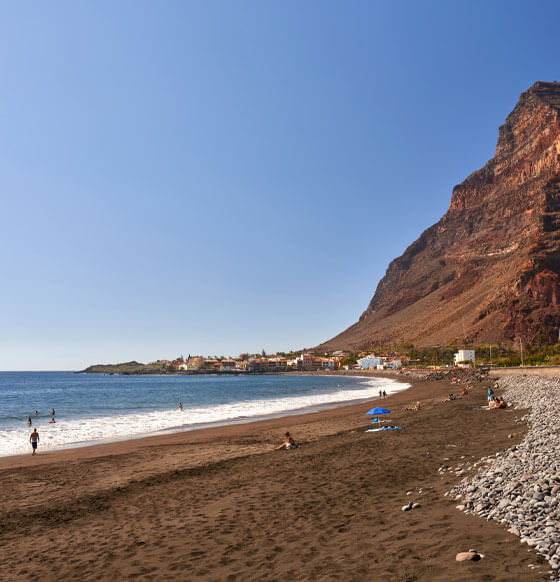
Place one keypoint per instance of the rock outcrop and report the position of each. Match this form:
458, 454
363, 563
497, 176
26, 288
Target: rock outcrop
489, 270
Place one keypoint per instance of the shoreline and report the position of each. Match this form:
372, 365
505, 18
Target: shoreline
222, 504
148, 439
179, 428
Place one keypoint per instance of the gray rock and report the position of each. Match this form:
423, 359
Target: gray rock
528, 505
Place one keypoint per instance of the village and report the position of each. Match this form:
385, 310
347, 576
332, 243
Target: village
298, 362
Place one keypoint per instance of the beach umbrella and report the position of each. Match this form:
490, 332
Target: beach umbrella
378, 411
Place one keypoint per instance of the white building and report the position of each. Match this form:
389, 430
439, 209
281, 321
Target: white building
369, 362
464, 356
393, 364
327, 364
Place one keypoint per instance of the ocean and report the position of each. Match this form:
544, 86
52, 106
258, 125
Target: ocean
92, 408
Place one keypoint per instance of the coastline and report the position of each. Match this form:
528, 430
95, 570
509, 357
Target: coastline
172, 436
78, 432
220, 503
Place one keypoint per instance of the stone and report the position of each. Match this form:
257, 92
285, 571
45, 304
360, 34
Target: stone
464, 556
528, 506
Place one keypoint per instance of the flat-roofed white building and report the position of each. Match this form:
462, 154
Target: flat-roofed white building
369, 362
393, 364
464, 356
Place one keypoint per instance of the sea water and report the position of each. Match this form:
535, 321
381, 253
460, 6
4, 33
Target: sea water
92, 408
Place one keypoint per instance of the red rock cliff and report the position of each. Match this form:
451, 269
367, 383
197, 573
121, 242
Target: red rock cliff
489, 270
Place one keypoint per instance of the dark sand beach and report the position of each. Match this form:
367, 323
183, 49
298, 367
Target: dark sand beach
221, 504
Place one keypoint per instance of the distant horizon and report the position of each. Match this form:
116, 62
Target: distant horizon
191, 177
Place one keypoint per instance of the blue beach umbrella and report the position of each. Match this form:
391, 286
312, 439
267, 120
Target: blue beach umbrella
377, 411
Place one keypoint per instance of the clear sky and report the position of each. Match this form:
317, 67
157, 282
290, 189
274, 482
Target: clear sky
217, 177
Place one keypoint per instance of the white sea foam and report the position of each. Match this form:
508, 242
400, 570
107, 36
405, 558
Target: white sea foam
69, 433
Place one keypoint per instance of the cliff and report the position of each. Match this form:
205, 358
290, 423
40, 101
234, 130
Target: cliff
488, 271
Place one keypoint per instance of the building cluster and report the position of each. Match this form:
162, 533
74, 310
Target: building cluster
304, 362
300, 362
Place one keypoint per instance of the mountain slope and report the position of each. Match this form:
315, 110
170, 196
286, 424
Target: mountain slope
488, 271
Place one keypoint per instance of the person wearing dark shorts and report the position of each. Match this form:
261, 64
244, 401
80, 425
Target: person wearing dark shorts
34, 440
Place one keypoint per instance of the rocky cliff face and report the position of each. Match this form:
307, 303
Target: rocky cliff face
488, 271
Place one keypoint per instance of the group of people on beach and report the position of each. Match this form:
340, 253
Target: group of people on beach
34, 437
495, 401
289, 443
451, 396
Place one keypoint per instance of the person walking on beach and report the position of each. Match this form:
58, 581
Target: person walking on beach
384, 394
490, 394
34, 439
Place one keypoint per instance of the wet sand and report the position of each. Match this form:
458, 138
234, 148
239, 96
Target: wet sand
221, 504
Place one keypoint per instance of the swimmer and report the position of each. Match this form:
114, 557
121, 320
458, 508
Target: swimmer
52, 421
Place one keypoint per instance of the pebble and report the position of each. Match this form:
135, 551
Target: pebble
519, 487
410, 505
470, 555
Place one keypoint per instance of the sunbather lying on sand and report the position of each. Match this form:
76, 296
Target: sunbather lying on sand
451, 397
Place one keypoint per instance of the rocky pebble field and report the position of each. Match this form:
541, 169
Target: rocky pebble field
520, 487
465, 375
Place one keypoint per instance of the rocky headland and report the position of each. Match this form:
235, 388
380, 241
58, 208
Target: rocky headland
489, 270
132, 367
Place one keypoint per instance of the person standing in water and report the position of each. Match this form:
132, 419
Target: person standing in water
52, 412
34, 440
181, 406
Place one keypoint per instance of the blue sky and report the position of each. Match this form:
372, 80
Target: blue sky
218, 177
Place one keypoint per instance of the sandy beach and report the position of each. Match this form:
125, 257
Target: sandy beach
222, 504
